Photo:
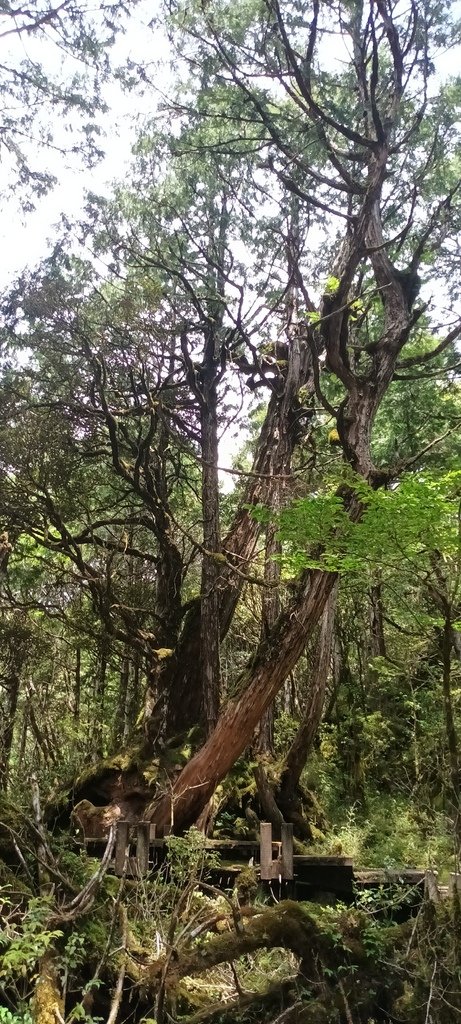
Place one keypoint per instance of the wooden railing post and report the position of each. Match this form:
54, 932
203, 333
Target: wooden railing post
265, 850
287, 851
281, 866
142, 848
122, 842
431, 889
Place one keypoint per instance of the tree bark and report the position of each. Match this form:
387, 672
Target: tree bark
275, 446
120, 723
99, 700
450, 729
303, 741
77, 685
11, 688
270, 613
209, 610
259, 684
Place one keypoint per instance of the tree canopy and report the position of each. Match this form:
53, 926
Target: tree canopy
203, 639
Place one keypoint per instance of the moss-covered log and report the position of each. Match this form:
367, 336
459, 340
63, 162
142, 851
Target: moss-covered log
335, 964
48, 1004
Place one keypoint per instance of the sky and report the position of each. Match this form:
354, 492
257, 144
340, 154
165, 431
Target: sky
26, 239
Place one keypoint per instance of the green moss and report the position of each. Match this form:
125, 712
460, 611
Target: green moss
132, 759
10, 821
95, 931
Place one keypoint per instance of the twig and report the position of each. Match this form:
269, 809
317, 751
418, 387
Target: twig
83, 900
117, 997
428, 1017
347, 1008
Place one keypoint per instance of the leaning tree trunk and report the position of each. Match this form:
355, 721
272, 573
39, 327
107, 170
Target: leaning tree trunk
303, 741
259, 684
270, 613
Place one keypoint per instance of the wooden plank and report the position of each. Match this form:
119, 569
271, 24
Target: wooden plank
287, 851
323, 861
122, 843
152, 832
232, 844
384, 877
269, 867
142, 847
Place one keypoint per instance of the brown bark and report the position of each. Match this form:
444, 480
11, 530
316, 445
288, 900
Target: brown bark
9, 707
270, 613
120, 723
259, 685
303, 741
275, 447
209, 600
99, 701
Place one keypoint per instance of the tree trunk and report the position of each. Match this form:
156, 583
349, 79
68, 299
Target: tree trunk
132, 698
77, 685
99, 700
270, 613
378, 644
120, 724
48, 1004
11, 688
209, 611
302, 743
259, 684
450, 730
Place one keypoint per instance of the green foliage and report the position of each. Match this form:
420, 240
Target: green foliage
332, 285
396, 527
187, 857
22, 947
20, 1017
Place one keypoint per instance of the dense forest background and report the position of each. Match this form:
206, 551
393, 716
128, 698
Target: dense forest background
230, 558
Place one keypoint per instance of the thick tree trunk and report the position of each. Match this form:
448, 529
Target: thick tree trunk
303, 741
378, 644
275, 447
259, 684
270, 613
211, 566
99, 701
120, 729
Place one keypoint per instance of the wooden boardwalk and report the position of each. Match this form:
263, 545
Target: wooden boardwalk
139, 850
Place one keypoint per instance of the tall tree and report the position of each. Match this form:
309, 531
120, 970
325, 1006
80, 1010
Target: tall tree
195, 314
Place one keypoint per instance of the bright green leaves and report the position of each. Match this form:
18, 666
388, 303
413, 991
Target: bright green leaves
397, 529
332, 285
21, 948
